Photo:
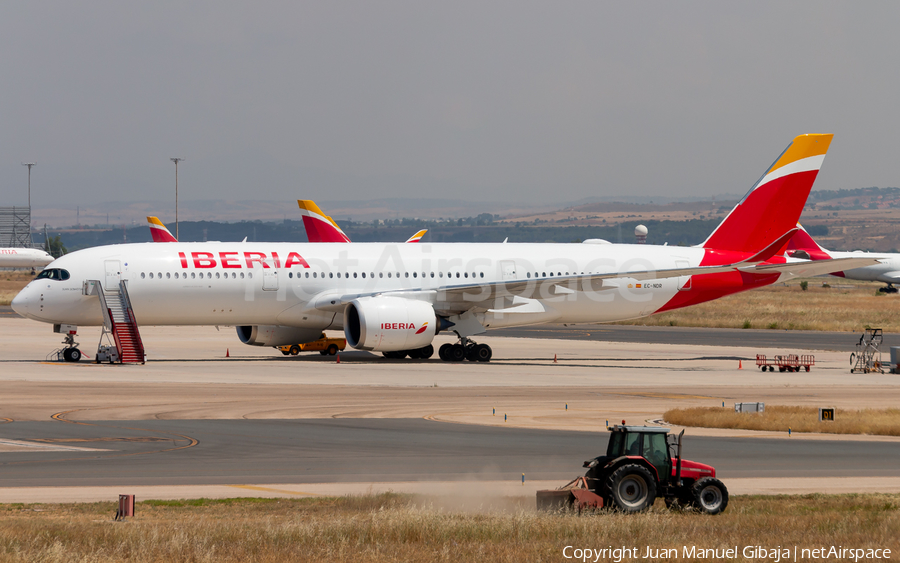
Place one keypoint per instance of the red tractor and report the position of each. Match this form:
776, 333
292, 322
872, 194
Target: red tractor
641, 464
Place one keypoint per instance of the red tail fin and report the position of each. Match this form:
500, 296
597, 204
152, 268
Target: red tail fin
772, 207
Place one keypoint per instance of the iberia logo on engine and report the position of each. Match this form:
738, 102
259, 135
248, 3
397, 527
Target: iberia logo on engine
403, 326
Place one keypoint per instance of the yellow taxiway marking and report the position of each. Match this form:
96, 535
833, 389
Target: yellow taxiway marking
270, 490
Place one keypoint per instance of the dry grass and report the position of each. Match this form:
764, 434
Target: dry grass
881, 422
11, 283
388, 528
787, 307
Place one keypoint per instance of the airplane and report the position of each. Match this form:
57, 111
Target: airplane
16, 257
887, 269
322, 228
394, 297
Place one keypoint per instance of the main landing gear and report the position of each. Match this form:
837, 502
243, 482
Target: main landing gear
888, 289
422, 353
465, 349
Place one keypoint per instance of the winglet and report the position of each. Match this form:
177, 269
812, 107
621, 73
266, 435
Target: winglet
418, 236
773, 204
319, 227
158, 231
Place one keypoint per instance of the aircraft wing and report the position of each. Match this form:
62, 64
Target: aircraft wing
462, 297
812, 267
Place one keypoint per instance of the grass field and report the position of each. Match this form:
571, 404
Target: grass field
389, 528
845, 306
11, 282
876, 422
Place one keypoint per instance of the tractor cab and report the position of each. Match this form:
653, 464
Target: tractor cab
648, 442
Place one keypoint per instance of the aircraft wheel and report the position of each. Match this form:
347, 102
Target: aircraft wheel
456, 353
71, 354
482, 353
426, 352
443, 351
470, 353
415, 354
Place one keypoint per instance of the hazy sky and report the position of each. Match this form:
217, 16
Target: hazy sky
535, 101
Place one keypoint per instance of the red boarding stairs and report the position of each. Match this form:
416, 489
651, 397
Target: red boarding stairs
118, 321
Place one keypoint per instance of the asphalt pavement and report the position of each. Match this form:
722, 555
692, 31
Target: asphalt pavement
202, 452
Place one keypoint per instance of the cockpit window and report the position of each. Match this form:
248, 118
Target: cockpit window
53, 274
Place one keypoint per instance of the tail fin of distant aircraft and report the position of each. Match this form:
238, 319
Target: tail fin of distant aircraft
159, 231
802, 245
319, 227
418, 236
772, 206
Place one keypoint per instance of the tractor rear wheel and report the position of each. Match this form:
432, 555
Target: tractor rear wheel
632, 488
710, 495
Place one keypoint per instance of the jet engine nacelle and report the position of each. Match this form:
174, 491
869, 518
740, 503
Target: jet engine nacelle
274, 335
389, 324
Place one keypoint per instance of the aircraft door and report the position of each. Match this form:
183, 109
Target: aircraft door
113, 270
507, 270
270, 279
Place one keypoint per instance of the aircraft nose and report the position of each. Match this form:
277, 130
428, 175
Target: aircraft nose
22, 302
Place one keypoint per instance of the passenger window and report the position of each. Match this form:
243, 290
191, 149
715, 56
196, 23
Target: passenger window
217, 275
151, 275
242, 275
142, 275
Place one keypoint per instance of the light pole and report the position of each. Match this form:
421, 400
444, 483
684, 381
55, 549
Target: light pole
29, 165
176, 161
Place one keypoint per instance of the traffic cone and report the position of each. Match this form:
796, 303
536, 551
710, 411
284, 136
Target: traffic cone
554, 358
227, 355
337, 358
740, 364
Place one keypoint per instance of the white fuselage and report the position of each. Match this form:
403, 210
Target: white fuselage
287, 283
24, 258
887, 270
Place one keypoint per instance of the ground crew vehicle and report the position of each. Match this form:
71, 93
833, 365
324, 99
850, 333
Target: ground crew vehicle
641, 464
324, 345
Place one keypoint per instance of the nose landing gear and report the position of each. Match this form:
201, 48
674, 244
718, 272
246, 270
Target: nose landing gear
465, 349
70, 353
888, 289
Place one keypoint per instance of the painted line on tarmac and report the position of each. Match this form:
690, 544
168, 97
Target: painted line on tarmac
271, 490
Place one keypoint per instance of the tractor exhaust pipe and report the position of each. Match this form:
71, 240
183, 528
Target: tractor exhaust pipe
678, 460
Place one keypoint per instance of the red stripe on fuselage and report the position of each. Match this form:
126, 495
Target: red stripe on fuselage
706, 287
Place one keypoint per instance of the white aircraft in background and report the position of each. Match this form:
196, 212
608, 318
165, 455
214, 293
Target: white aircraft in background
886, 270
394, 297
24, 258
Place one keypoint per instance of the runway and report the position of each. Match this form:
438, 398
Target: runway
197, 421
203, 452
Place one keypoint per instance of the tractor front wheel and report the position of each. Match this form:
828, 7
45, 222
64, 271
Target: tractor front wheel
632, 488
710, 495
